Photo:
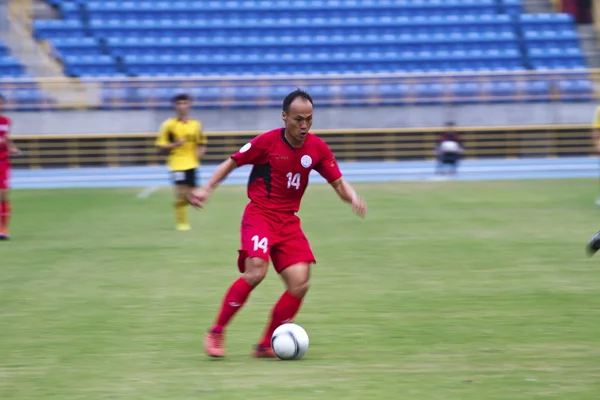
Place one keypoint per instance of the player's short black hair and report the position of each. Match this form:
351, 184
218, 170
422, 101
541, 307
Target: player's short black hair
289, 99
181, 97
450, 124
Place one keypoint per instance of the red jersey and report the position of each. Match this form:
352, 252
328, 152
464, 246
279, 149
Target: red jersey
451, 136
280, 171
4, 129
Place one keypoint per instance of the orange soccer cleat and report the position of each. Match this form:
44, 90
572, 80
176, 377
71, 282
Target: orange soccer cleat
4, 234
213, 344
263, 352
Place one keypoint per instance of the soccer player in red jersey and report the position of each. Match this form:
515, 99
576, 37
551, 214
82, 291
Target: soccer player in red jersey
282, 160
7, 148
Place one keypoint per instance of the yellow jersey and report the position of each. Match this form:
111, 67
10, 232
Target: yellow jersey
596, 122
185, 156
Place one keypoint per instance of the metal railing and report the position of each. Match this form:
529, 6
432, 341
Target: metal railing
21, 12
265, 91
110, 150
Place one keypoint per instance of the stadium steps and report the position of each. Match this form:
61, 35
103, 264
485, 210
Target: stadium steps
34, 57
30, 53
538, 6
43, 10
589, 44
3, 19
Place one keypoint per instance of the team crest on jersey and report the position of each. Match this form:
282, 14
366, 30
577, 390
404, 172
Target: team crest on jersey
306, 161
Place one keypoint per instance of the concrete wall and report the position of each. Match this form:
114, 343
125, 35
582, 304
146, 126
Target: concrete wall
80, 122
3, 16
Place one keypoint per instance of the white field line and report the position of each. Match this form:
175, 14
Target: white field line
144, 194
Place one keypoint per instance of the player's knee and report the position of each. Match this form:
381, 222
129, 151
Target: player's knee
181, 193
299, 289
256, 270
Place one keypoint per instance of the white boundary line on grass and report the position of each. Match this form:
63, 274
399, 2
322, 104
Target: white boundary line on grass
147, 192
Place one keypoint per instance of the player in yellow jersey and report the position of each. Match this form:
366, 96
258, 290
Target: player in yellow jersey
596, 137
185, 142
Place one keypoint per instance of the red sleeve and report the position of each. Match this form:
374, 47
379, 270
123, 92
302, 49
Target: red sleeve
327, 165
6, 121
255, 152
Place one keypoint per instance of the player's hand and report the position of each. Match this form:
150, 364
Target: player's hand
177, 143
359, 207
198, 197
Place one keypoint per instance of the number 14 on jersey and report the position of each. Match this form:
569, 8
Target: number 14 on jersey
293, 180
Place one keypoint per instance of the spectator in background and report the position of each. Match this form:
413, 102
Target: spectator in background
581, 10
449, 150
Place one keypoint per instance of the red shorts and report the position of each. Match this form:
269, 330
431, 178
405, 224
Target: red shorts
4, 174
277, 236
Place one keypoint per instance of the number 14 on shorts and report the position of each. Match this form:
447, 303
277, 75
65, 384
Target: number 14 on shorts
262, 244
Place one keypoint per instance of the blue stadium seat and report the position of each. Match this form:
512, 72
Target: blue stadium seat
511, 7
27, 96
76, 46
263, 26
576, 90
558, 64
246, 38
221, 9
464, 92
44, 29
121, 46
69, 10
536, 90
91, 65
9, 66
555, 53
547, 22
339, 61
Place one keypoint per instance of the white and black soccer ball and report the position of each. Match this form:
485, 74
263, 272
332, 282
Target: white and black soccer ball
289, 342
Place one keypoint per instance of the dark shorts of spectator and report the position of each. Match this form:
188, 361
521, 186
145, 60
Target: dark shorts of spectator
449, 158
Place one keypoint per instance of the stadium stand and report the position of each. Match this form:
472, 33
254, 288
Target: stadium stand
9, 66
27, 96
239, 39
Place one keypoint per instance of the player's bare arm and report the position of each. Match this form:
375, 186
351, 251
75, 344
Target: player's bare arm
197, 197
171, 146
201, 151
596, 138
12, 148
348, 195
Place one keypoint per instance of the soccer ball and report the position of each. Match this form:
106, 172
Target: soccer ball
289, 342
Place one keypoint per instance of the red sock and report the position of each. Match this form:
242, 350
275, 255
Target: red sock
284, 311
4, 215
234, 299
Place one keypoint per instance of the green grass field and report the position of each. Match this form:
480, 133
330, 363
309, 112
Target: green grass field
450, 291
